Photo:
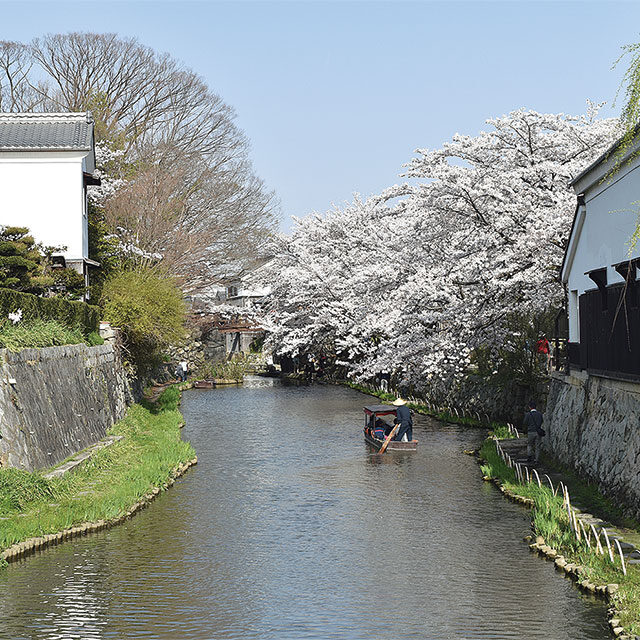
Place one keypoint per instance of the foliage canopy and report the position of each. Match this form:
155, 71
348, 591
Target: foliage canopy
148, 307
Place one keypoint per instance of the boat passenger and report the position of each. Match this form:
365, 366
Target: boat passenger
380, 429
403, 418
376, 426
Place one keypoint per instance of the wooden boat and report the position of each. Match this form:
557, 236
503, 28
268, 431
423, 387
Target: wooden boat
213, 382
203, 384
371, 413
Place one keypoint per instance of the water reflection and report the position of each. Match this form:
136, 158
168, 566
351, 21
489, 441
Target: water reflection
291, 528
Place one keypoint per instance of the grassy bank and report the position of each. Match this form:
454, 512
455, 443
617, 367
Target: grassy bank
500, 429
551, 521
43, 333
106, 485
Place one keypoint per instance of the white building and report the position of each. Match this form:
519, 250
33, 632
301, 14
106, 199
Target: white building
46, 164
244, 292
599, 269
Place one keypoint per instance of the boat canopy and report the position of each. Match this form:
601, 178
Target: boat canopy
380, 409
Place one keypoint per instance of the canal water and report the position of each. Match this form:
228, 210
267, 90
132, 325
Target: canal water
290, 528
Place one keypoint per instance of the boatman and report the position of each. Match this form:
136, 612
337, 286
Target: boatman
403, 418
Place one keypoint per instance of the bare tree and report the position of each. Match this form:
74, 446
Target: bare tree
17, 93
205, 224
189, 191
147, 99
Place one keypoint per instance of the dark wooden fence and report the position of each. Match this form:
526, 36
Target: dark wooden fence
609, 333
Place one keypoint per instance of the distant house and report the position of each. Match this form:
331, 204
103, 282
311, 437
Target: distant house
46, 163
241, 294
240, 334
600, 269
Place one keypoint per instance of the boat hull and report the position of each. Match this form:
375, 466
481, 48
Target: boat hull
210, 383
203, 384
394, 445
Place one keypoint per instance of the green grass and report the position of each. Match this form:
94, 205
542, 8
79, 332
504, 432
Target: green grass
169, 400
550, 520
500, 431
103, 487
43, 333
586, 495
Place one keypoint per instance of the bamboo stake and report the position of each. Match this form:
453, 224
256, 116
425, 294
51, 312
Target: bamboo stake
606, 537
585, 534
576, 529
597, 539
624, 568
550, 483
537, 478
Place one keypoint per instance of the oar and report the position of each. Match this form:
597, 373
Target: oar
387, 440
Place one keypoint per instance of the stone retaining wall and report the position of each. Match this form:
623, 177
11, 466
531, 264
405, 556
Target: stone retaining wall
476, 394
593, 425
57, 401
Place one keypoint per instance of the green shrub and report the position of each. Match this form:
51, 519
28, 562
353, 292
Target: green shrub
70, 313
29, 267
169, 399
19, 259
67, 283
94, 339
148, 307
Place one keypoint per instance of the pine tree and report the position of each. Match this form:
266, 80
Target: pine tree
19, 260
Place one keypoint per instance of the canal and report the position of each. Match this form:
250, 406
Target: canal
289, 528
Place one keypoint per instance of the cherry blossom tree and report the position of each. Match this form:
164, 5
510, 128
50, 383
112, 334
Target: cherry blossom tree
413, 280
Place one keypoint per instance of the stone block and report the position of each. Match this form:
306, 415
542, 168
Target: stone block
55, 408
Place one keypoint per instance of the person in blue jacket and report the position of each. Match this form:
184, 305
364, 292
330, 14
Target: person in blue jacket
380, 429
403, 418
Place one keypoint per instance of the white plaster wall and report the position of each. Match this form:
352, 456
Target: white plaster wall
44, 191
610, 219
253, 292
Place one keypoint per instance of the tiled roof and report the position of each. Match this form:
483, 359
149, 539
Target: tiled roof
46, 131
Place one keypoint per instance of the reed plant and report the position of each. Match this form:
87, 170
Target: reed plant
551, 521
103, 487
228, 370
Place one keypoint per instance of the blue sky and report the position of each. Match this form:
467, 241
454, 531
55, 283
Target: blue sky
336, 96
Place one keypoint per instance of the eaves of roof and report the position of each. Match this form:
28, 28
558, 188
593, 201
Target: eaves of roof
604, 156
571, 241
46, 132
